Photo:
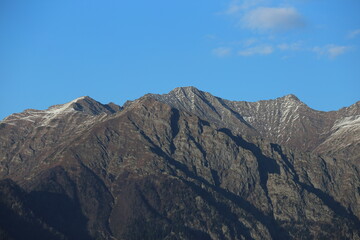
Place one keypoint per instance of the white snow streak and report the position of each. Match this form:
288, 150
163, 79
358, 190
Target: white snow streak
42, 118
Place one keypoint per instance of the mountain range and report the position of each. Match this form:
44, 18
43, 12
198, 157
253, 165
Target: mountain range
182, 165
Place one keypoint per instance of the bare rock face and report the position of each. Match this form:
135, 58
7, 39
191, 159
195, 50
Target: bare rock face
285, 120
184, 165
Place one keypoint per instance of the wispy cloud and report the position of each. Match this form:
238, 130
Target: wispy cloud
249, 42
233, 8
331, 51
296, 46
222, 51
354, 33
273, 19
236, 6
258, 50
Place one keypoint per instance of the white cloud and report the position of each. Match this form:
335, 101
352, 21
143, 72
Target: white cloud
258, 50
332, 51
273, 19
221, 51
236, 6
354, 33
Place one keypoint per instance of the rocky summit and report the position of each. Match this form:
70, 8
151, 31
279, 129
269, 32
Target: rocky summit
183, 165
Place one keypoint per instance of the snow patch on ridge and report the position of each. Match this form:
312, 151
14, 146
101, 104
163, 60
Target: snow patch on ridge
346, 122
343, 129
347, 126
56, 111
42, 117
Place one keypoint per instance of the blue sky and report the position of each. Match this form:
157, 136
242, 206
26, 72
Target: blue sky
52, 52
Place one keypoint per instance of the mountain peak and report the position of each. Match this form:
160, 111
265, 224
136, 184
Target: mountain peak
82, 98
88, 105
291, 97
185, 90
84, 104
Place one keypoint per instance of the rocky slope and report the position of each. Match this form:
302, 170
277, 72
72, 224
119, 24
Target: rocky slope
184, 165
285, 120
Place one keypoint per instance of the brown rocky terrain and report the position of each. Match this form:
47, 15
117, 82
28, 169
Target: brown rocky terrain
184, 165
